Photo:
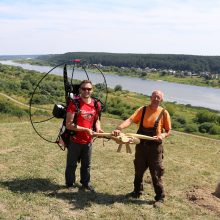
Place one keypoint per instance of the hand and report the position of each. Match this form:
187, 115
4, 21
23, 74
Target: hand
116, 132
158, 138
89, 132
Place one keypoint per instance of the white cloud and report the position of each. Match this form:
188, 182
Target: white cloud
155, 26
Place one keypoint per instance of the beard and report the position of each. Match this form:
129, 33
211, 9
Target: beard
85, 96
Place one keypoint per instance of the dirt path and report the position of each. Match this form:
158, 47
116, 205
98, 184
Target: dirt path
14, 100
20, 103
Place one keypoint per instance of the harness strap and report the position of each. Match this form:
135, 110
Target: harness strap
158, 119
156, 122
77, 105
96, 106
142, 116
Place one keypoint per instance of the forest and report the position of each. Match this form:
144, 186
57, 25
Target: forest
191, 63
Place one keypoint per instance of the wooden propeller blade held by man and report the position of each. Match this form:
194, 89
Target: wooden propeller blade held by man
126, 139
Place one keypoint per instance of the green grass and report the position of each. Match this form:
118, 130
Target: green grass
195, 80
32, 178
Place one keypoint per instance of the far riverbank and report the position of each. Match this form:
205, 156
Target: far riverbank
174, 92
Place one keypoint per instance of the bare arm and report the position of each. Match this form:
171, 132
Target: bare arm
123, 125
162, 136
167, 128
73, 127
98, 127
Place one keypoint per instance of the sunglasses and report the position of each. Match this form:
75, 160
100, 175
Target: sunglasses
84, 89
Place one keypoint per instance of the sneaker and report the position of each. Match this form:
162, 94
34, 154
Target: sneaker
134, 195
88, 188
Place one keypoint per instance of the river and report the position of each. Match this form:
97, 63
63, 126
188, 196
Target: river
174, 92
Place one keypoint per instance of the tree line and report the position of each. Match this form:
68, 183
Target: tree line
191, 63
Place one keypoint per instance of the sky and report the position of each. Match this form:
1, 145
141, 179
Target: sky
114, 26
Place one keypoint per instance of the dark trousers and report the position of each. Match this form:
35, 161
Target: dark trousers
76, 152
149, 155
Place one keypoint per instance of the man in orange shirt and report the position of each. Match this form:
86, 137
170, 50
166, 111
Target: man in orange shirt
153, 121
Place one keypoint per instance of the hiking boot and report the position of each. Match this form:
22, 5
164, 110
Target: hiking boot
134, 195
88, 188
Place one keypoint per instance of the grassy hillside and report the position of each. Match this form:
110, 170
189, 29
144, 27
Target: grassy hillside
19, 85
32, 179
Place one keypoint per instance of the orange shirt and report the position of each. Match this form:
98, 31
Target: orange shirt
150, 117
